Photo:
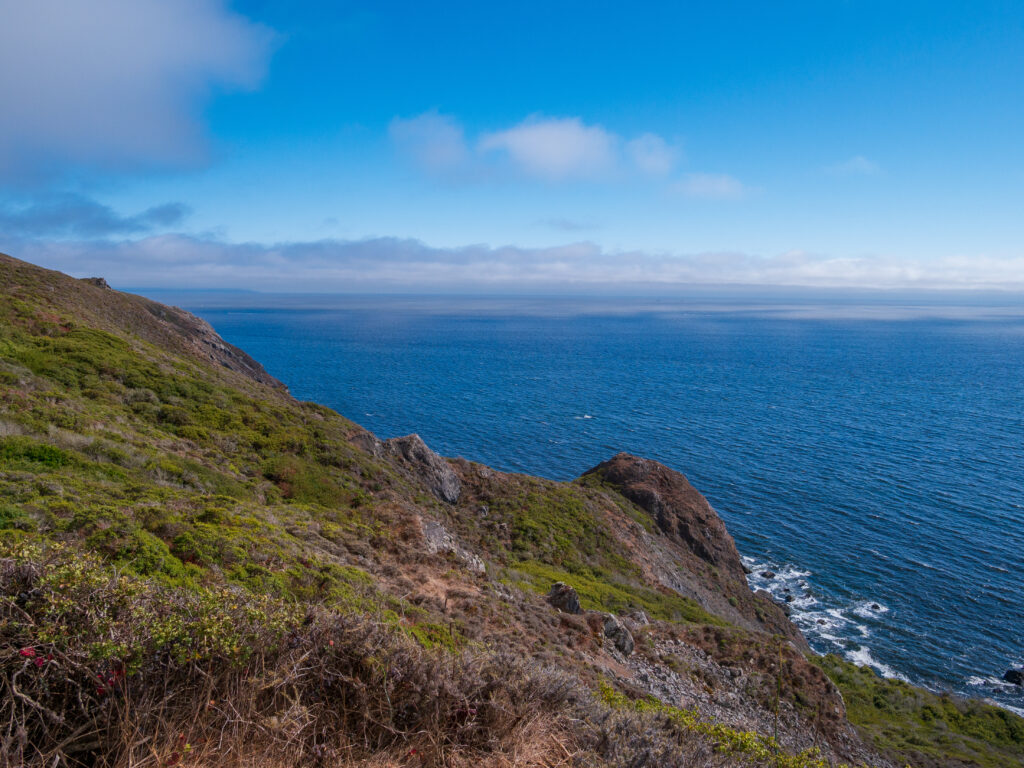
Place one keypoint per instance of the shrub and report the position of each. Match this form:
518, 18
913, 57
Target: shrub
93, 660
921, 727
23, 450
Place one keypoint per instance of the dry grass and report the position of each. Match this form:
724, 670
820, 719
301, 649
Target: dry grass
95, 674
102, 669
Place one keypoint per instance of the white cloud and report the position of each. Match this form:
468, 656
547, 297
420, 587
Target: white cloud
556, 148
391, 264
551, 149
116, 83
711, 186
652, 154
855, 166
435, 142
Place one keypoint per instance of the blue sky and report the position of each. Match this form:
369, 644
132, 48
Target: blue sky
478, 146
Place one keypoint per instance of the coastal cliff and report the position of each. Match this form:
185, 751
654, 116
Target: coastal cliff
198, 569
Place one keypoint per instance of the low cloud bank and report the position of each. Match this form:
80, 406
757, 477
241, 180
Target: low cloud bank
403, 265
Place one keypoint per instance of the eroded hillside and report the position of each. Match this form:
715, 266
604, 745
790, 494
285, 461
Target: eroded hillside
198, 569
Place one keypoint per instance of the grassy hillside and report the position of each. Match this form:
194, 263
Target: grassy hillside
924, 728
198, 569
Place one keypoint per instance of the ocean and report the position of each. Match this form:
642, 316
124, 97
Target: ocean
870, 455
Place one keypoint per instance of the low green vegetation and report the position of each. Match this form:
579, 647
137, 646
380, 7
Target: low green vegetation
81, 605
553, 523
742, 748
432, 635
923, 728
601, 591
171, 469
107, 668
557, 532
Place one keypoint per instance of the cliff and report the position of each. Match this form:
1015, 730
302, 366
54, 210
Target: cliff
198, 569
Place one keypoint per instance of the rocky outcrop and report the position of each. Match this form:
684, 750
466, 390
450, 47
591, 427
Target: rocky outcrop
617, 632
431, 469
415, 458
564, 598
738, 692
691, 552
678, 509
1014, 676
439, 540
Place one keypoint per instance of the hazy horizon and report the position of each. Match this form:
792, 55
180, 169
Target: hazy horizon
465, 147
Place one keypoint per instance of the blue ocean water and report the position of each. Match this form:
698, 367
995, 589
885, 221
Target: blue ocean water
872, 457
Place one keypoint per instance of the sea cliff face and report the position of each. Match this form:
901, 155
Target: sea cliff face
198, 569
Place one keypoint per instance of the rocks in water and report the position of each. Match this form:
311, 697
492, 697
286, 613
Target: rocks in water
616, 631
876, 607
768, 574
564, 598
1015, 676
789, 598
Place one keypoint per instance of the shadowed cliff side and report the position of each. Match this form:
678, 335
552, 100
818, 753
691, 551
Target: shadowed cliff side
693, 552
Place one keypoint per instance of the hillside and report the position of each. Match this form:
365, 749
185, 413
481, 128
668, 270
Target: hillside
198, 569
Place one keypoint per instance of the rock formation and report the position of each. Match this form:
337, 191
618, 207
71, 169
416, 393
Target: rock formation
422, 464
564, 598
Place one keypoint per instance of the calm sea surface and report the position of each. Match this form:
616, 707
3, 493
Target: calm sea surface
872, 457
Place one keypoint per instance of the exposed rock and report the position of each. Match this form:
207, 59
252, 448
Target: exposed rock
564, 598
99, 282
690, 552
440, 477
1015, 676
638, 617
425, 465
731, 694
616, 631
768, 574
678, 508
439, 539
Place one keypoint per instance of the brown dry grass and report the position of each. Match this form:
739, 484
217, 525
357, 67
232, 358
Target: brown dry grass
319, 688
